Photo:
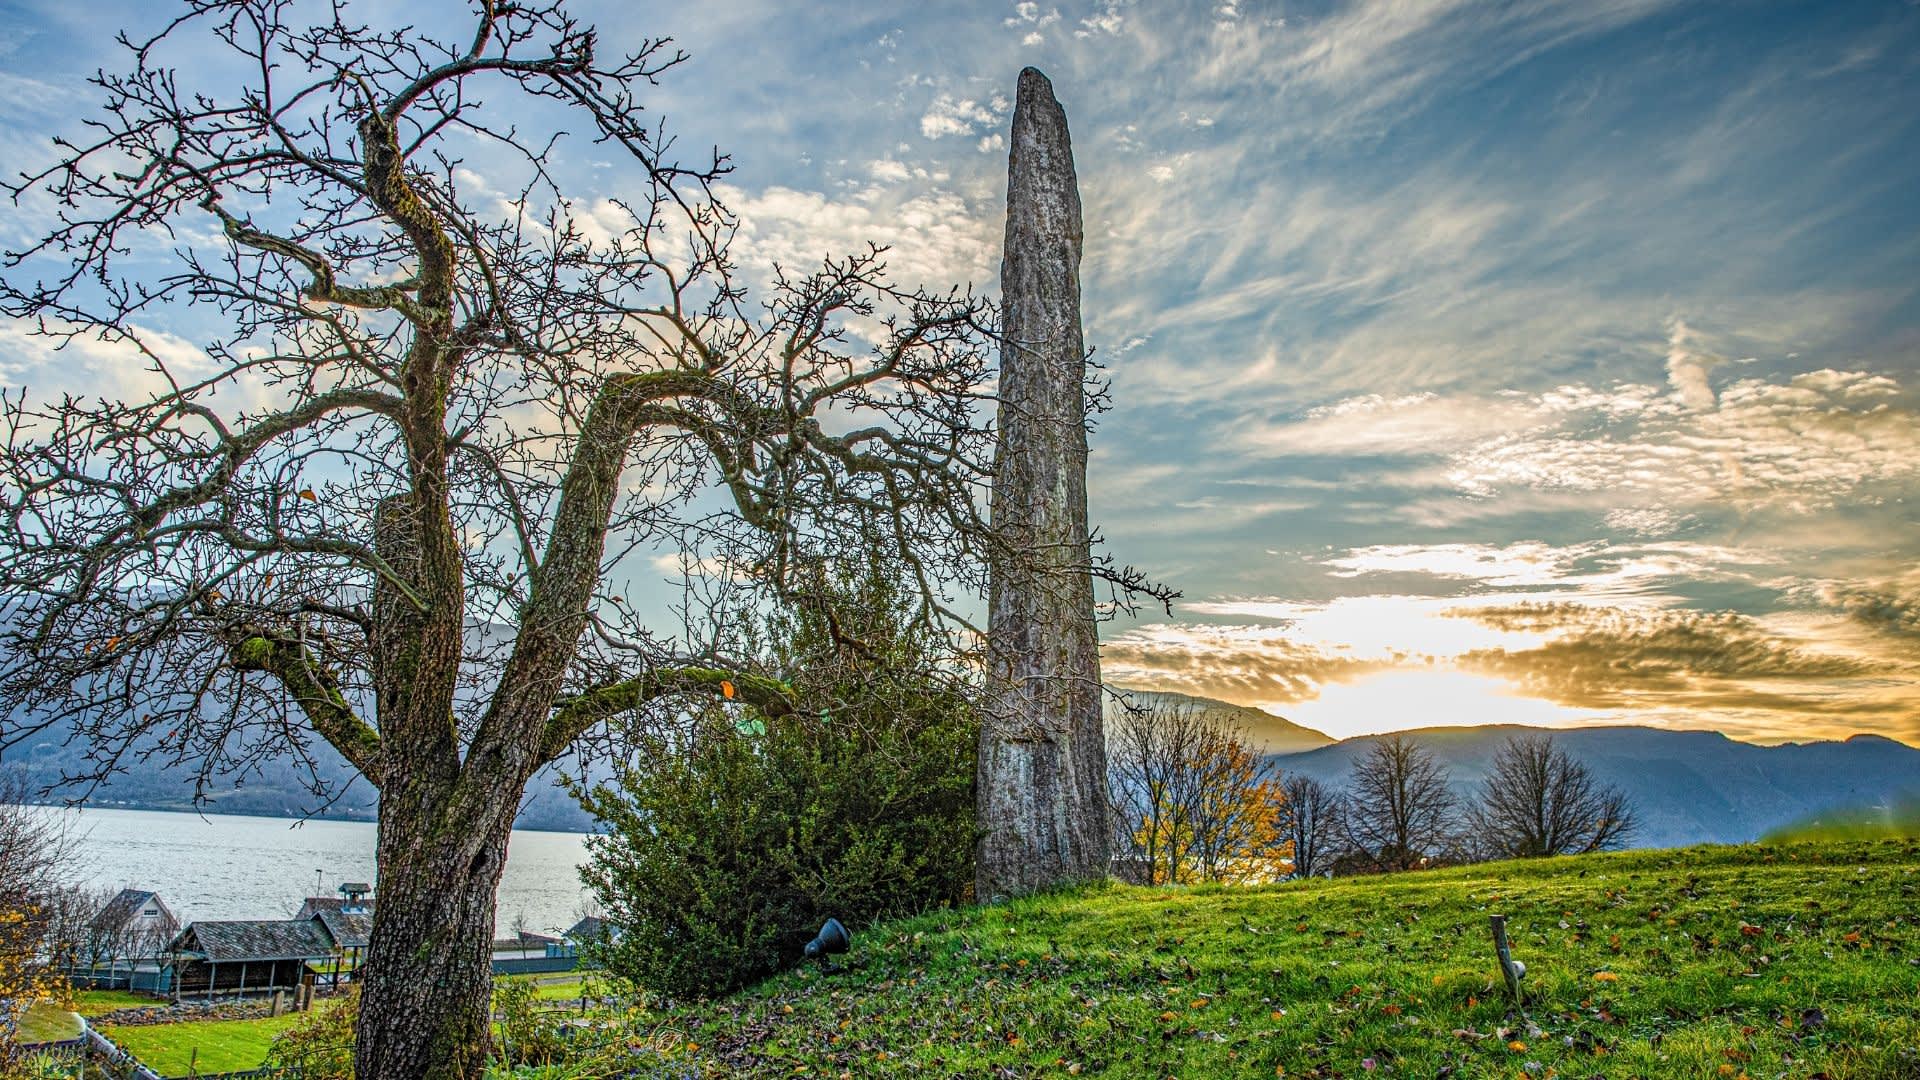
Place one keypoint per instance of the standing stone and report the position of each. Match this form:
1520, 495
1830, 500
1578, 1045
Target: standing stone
1043, 755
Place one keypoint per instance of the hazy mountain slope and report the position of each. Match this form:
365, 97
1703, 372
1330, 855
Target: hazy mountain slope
276, 791
1268, 733
1688, 786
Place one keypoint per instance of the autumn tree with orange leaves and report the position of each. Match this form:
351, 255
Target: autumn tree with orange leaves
1191, 800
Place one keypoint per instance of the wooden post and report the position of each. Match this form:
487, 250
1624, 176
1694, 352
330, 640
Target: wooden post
1512, 969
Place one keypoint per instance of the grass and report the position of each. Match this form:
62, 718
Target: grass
45, 1022
1792, 961
202, 1046
563, 988
100, 1002
1899, 820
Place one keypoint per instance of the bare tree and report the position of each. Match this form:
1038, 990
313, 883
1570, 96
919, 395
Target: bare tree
35, 858
385, 504
68, 938
1310, 822
1147, 752
1191, 801
1537, 800
1400, 810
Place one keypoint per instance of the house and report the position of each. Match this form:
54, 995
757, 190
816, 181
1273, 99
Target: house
524, 945
349, 933
247, 956
590, 928
126, 940
133, 925
355, 899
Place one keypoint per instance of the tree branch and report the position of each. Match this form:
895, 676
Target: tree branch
317, 693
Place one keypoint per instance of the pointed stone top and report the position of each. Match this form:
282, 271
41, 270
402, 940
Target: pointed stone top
1043, 195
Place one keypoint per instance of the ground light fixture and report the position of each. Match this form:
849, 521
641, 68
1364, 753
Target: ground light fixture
832, 938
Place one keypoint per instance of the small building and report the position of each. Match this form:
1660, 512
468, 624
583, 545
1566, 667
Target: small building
356, 898
524, 945
136, 915
246, 957
127, 937
591, 928
350, 933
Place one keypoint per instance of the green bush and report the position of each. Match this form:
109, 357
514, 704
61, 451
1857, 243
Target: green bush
319, 1045
733, 837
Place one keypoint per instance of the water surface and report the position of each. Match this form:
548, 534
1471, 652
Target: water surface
223, 866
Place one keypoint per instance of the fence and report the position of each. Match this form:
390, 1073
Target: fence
117, 1062
536, 965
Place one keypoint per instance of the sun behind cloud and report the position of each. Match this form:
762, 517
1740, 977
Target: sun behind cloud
1429, 697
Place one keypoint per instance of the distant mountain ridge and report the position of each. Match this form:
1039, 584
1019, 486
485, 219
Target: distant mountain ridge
1687, 787
1268, 733
276, 790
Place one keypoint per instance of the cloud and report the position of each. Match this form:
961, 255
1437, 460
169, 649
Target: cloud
1107, 20
950, 116
1246, 664
1520, 564
1687, 368
1801, 444
1674, 660
1375, 425
1886, 606
1593, 569
89, 365
936, 238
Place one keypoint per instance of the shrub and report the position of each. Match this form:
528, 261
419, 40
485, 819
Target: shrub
319, 1045
732, 838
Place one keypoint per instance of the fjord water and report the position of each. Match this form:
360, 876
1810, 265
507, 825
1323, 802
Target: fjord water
236, 867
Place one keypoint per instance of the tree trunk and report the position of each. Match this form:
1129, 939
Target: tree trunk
1043, 758
427, 983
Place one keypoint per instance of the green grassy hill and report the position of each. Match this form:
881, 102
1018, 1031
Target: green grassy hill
1795, 961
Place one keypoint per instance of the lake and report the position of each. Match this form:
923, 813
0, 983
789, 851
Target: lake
233, 867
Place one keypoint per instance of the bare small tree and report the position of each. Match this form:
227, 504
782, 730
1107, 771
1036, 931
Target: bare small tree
35, 860
1191, 801
1147, 748
1537, 800
1310, 822
69, 937
1400, 810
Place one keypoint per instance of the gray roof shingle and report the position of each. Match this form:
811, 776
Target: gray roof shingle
127, 905
347, 931
257, 939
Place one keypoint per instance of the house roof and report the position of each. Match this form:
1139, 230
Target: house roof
256, 939
128, 904
348, 931
340, 905
590, 928
525, 939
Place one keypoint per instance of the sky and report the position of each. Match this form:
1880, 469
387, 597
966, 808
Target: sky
1540, 362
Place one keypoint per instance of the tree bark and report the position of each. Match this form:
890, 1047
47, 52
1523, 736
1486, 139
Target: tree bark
426, 987
1042, 769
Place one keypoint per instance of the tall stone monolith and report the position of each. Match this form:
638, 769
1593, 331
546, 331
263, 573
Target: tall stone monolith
1043, 756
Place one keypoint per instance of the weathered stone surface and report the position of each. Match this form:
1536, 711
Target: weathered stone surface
1042, 771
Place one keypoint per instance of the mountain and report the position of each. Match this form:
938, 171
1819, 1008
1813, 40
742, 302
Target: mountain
1688, 787
1269, 734
275, 790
